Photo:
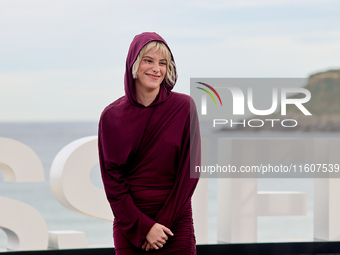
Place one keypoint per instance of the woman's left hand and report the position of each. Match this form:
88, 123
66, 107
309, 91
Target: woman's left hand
147, 246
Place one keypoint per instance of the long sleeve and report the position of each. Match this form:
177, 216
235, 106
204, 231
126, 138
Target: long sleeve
133, 223
186, 177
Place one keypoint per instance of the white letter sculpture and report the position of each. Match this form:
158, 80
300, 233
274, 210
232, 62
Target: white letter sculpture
24, 226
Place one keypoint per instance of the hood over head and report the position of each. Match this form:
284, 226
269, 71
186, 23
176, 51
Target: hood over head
136, 45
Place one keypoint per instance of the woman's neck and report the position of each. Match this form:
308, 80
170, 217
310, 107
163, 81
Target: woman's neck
145, 97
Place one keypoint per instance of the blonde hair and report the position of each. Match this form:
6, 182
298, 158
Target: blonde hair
171, 74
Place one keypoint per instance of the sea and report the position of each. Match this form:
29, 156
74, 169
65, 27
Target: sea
46, 139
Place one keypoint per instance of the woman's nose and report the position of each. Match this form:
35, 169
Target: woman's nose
156, 68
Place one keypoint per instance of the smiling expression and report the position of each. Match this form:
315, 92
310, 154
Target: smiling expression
151, 71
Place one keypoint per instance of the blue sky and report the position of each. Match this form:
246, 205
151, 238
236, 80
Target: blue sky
64, 60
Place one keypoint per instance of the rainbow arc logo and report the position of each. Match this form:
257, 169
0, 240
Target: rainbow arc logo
209, 93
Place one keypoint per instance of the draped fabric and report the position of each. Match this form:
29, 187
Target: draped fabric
146, 167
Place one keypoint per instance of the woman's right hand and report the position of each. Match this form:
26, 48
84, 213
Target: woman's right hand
157, 236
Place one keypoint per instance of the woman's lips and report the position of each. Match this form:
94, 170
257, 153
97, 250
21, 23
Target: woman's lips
155, 77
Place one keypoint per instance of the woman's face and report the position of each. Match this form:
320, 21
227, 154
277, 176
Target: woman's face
151, 71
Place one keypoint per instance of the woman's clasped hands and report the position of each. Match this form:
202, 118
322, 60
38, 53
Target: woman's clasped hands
156, 237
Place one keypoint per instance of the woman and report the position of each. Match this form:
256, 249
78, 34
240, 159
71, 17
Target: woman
147, 139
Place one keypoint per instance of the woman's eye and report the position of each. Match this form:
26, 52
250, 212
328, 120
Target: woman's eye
163, 63
147, 60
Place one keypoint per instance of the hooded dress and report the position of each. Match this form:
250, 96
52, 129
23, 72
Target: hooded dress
147, 157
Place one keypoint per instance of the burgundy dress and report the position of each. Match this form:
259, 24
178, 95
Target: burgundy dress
145, 162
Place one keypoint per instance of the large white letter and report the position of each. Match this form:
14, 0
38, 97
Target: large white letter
70, 179
24, 226
200, 201
327, 192
239, 202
